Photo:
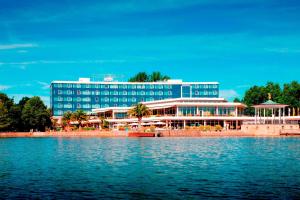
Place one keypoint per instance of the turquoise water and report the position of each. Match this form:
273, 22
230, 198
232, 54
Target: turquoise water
165, 168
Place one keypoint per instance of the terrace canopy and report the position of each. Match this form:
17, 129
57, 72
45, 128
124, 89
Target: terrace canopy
276, 110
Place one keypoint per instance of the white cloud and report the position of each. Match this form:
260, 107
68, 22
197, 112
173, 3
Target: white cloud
4, 87
16, 46
228, 94
34, 62
22, 51
45, 86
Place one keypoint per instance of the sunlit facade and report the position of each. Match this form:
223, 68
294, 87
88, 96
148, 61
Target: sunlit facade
181, 112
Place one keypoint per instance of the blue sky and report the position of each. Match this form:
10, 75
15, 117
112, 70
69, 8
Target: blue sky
238, 43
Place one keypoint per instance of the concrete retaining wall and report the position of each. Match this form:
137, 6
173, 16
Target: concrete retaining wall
268, 129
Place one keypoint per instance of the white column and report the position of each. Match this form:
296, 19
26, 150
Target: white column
236, 111
177, 111
254, 117
184, 124
264, 115
279, 115
272, 115
217, 110
204, 122
283, 116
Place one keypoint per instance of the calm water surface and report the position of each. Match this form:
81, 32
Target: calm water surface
150, 168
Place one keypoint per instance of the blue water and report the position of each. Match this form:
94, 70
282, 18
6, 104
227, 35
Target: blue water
150, 168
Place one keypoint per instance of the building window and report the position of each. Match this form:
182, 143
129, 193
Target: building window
78, 92
69, 99
197, 92
59, 92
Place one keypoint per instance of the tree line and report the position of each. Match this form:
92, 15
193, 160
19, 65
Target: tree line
288, 94
28, 114
144, 77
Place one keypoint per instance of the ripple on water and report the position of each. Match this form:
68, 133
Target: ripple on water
166, 168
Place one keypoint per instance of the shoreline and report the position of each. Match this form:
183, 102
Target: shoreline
123, 134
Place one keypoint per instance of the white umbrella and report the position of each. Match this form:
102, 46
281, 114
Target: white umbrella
133, 124
160, 123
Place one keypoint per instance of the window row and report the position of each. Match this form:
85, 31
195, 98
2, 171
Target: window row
105, 92
113, 86
102, 99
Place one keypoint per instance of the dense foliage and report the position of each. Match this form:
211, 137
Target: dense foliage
144, 77
289, 94
139, 111
29, 113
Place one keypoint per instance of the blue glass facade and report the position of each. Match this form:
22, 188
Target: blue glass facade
71, 96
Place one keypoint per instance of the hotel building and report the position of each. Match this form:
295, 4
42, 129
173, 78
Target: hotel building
173, 103
88, 95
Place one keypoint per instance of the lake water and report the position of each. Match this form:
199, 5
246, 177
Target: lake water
147, 168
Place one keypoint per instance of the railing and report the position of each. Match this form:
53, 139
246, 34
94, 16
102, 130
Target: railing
269, 122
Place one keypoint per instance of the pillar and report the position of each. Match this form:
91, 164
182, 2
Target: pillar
204, 122
279, 115
184, 124
264, 115
177, 111
254, 117
236, 111
283, 116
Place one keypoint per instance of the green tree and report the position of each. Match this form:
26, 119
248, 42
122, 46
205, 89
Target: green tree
157, 76
275, 91
35, 115
139, 77
66, 118
144, 77
15, 113
291, 95
253, 96
139, 111
237, 100
5, 120
8, 102
79, 116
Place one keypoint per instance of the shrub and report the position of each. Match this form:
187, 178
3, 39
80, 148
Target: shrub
152, 128
88, 128
218, 127
207, 128
201, 128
